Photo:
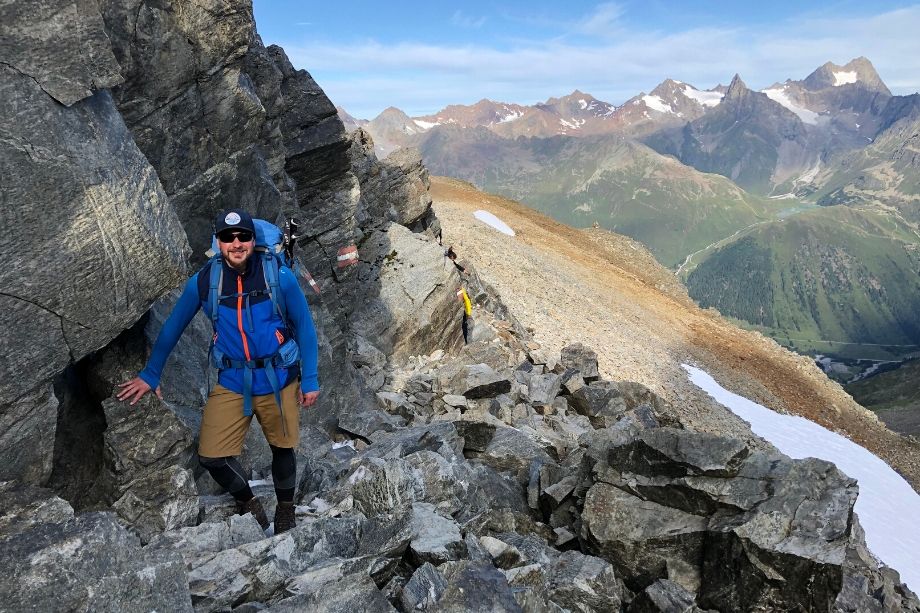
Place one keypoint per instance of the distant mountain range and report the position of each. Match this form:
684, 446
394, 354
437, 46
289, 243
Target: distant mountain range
720, 185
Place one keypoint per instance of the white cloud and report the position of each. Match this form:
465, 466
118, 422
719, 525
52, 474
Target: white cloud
365, 77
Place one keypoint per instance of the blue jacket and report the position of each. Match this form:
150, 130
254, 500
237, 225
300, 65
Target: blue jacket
244, 331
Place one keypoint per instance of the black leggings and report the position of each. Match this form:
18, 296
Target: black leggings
229, 474
284, 473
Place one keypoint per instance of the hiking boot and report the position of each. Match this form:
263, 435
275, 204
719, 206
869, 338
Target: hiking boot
254, 506
284, 517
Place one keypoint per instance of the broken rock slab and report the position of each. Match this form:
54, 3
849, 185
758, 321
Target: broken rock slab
482, 381
476, 586
643, 540
581, 358
424, 588
435, 538
664, 596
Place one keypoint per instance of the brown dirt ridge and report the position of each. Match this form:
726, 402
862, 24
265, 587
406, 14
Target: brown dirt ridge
608, 292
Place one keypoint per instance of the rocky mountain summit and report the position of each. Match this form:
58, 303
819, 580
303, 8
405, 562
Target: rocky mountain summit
435, 476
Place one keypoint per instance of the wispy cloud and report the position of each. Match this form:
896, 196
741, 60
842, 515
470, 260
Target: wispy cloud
465, 21
603, 21
421, 78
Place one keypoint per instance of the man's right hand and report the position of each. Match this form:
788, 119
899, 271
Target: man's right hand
134, 390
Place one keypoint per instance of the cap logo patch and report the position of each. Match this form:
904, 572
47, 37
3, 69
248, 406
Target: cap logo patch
232, 219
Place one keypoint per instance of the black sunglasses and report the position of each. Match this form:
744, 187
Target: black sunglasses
227, 236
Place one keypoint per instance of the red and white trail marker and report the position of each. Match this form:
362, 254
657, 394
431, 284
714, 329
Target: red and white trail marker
347, 256
310, 280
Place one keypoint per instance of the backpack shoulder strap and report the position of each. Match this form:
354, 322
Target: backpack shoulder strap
270, 270
215, 283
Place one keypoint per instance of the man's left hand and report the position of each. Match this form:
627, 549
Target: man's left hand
307, 399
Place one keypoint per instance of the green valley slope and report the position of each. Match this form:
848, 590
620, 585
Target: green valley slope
619, 184
838, 273
894, 396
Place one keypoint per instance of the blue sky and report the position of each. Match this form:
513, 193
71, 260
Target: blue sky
421, 57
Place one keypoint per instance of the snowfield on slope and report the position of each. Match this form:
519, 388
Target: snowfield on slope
491, 220
887, 505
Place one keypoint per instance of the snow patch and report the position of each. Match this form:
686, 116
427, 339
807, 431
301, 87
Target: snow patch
426, 125
887, 505
842, 78
493, 221
582, 104
511, 116
574, 124
704, 98
657, 104
779, 95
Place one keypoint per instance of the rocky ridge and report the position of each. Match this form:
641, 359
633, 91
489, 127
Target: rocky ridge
495, 476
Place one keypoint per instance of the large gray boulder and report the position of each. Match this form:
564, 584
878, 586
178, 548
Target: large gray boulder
393, 485
600, 401
424, 588
350, 592
742, 528
578, 582
482, 381
664, 596
54, 561
111, 230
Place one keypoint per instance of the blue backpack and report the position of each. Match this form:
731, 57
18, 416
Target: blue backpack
271, 248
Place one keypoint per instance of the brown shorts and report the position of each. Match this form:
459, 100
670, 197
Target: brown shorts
224, 426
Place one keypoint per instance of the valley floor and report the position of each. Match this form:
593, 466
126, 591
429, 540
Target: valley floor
608, 292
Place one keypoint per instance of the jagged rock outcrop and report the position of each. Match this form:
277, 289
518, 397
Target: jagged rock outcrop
394, 188
415, 310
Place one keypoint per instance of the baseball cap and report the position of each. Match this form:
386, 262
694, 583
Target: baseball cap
234, 218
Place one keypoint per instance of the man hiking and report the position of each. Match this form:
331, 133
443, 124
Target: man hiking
251, 335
